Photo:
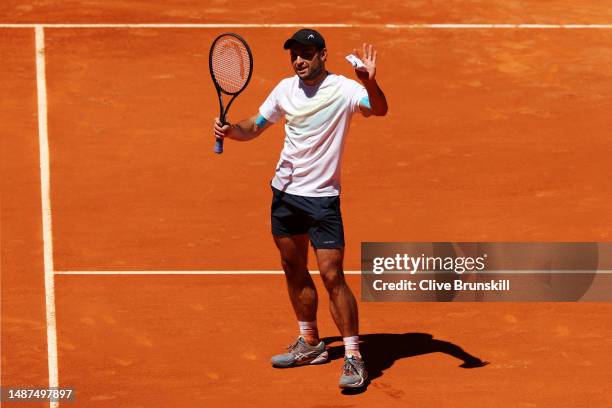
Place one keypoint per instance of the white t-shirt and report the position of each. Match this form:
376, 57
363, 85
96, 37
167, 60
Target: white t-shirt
317, 120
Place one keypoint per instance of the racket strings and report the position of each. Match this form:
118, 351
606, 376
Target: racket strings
231, 64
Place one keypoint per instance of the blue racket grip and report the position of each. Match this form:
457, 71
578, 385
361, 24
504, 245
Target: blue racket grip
219, 146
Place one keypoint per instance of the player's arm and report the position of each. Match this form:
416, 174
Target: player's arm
242, 131
375, 103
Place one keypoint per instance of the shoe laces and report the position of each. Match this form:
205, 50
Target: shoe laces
295, 346
351, 366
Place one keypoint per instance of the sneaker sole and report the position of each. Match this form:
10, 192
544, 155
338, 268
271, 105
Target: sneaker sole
353, 386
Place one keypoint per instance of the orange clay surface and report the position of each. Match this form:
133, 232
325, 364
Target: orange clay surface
320, 11
492, 135
23, 337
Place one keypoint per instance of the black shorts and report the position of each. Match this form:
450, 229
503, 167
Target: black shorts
319, 217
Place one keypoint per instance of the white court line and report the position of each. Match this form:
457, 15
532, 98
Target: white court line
318, 25
219, 273
43, 143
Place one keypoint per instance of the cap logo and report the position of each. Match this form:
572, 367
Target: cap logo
310, 37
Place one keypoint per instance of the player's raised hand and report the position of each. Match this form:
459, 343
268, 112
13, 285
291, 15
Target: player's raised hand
369, 60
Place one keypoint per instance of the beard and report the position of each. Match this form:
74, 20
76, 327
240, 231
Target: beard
313, 73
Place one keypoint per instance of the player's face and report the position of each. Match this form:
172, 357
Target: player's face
308, 62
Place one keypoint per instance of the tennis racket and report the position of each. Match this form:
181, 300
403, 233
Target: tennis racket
231, 66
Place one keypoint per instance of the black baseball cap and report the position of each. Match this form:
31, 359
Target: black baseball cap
306, 36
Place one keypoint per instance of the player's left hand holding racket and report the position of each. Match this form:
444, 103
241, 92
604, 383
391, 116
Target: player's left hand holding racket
231, 65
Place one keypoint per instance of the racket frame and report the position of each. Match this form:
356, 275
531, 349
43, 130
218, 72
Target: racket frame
220, 90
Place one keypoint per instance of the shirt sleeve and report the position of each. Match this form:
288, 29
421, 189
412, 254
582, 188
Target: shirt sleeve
358, 94
271, 109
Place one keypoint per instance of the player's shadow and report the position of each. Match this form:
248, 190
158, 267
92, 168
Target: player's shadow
381, 350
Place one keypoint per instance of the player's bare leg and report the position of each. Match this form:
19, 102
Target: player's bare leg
343, 308
302, 292
343, 305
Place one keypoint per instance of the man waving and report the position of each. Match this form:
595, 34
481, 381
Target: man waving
317, 106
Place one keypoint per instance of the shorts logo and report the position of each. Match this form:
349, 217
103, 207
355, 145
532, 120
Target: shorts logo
328, 242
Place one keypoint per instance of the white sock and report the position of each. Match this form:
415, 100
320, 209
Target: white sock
351, 346
309, 329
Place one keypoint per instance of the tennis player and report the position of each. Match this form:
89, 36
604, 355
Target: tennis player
317, 106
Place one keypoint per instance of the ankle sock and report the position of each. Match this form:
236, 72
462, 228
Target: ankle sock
309, 329
351, 346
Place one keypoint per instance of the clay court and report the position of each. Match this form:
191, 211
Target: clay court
138, 267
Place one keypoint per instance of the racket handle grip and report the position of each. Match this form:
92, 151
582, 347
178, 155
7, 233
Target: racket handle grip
219, 146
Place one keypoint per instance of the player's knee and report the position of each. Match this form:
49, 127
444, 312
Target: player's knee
292, 266
333, 280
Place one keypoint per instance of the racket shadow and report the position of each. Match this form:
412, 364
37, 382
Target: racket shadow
381, 350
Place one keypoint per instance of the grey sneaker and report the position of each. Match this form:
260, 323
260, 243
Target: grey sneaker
354, 374
301, 353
